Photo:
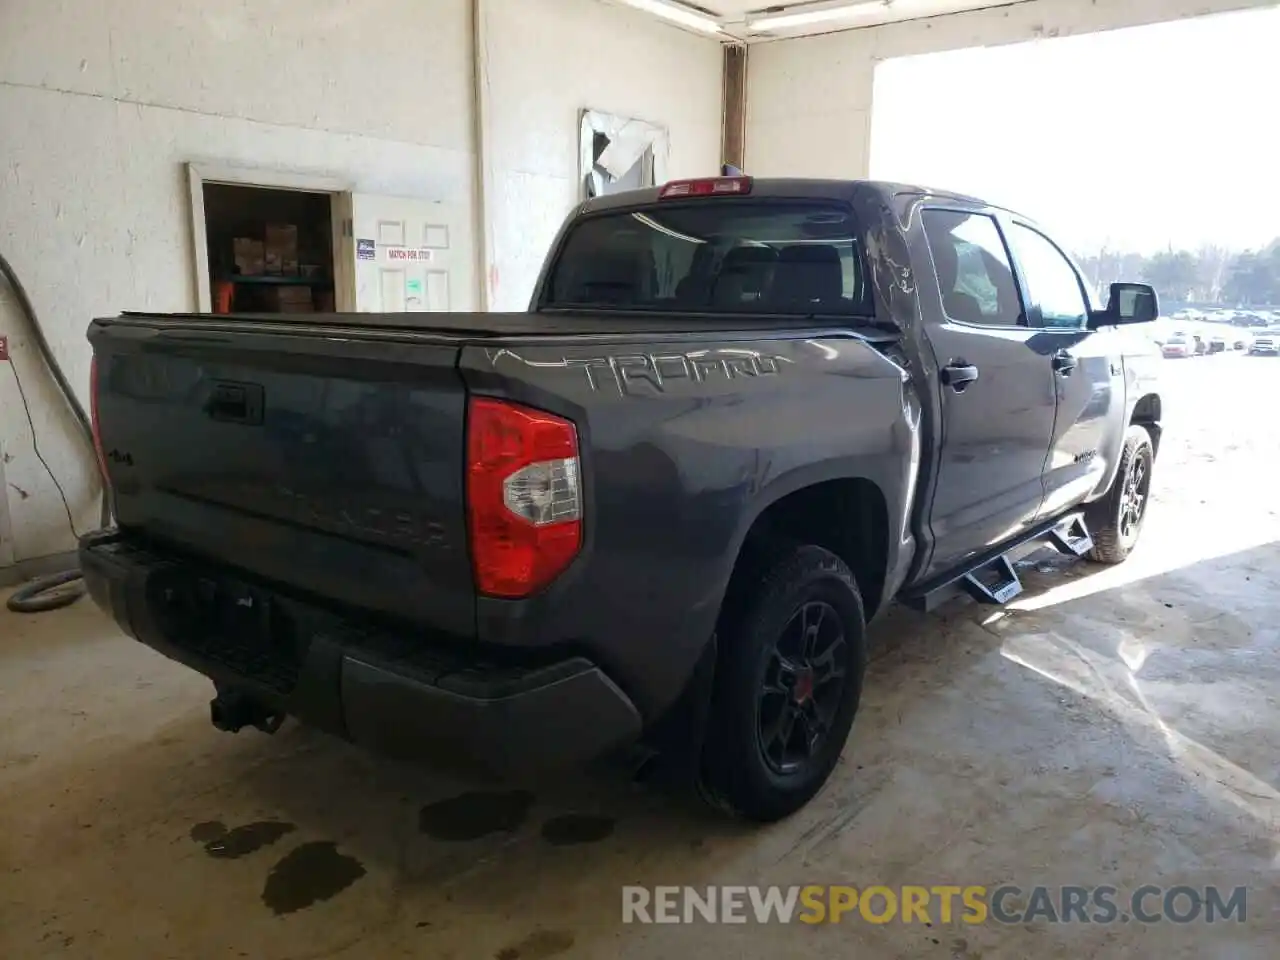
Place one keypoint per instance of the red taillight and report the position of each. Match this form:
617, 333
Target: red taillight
524, 498
706, 187
93, 418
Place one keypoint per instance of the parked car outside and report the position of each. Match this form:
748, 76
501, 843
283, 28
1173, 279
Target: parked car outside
1265, 344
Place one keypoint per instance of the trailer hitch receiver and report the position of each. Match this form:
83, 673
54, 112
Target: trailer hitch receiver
233, 709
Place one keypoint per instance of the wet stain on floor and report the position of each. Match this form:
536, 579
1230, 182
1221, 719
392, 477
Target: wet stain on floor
575, 828
537, 946
250, 838
470, 816
312, 873
224, 844
208, 831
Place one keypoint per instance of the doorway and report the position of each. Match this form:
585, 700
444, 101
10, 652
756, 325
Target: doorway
276, 242
268, 250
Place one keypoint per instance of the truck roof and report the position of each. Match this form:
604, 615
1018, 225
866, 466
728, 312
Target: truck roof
797, 187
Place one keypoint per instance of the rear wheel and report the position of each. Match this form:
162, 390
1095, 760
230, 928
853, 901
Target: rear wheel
1116, 520
787, 687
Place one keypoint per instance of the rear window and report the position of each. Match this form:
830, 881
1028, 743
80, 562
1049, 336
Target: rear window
718, 256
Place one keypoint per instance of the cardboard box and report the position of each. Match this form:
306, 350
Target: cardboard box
282, 248
290, 300
250, 256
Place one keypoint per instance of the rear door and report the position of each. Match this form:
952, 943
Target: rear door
408, 255
997, 388
1088, 370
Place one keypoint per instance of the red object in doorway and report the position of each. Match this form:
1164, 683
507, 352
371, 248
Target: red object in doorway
223, 293
4, 349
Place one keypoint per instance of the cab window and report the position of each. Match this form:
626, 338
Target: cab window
715, 256
972, 266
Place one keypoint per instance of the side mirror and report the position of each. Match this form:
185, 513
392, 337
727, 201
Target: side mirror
1128, 303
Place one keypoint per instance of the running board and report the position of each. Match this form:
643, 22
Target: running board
991, 577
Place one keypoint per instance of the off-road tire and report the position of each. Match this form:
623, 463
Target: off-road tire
735, 775
1105, 517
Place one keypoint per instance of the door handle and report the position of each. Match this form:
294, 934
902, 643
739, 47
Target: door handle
957, 375
235, 403
1063, 363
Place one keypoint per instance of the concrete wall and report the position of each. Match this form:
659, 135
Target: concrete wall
809, 101
644, 70
103, 103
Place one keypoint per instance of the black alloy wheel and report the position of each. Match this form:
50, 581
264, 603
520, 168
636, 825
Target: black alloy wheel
790, 664
802, 686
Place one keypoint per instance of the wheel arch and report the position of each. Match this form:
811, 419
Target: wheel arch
1147, 413
846, 514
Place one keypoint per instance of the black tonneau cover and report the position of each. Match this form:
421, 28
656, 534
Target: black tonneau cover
463, 327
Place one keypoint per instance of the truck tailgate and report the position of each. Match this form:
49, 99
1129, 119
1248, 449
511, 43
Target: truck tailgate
319, 457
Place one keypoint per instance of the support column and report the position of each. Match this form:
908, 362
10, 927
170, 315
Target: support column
733, 124
482, 191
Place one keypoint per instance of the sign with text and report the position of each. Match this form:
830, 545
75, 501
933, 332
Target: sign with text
411, 254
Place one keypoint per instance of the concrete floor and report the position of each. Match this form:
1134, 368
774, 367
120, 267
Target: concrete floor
1114, 726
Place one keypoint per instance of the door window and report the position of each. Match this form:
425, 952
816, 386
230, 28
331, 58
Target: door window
974, 277
1052, 283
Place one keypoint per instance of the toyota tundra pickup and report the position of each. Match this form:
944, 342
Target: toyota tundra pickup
740, 418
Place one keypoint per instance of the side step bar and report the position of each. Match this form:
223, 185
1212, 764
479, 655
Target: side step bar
991, 577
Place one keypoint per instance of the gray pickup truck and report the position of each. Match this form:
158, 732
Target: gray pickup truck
741, 417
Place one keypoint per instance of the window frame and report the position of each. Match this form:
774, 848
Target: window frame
1031, 303
997, 217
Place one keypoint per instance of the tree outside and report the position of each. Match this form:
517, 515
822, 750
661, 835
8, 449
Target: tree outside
1210, 276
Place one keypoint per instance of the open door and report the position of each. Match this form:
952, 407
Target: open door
407, 255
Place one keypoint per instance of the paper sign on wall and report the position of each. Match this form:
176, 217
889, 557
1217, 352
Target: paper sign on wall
365, 250
415, 254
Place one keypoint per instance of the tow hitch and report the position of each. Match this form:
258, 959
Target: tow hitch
233, 709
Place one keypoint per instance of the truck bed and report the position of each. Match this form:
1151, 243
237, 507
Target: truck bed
323, 452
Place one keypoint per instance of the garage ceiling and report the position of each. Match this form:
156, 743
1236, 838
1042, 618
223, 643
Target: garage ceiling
758, 20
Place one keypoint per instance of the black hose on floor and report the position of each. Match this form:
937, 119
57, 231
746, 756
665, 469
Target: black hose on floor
66, 587
48, 593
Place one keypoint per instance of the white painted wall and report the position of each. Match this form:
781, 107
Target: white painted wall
809, 101
551, 68
102, 103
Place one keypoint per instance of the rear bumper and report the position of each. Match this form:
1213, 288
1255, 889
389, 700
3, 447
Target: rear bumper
394, 692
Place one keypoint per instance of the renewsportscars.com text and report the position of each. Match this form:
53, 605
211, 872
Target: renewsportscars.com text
943, 904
